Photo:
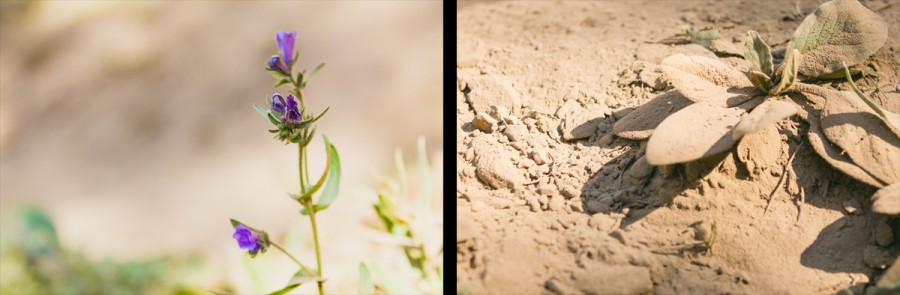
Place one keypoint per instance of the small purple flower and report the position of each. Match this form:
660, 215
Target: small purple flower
291, 112
246, 238
276, 64
278, 103
286, 44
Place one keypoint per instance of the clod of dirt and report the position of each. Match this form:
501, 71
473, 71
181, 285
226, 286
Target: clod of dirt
640, 123
760, 150
582, 123
887, 200
618, 279
515, 132
487, 91
494, 167
705, 79
485, 123
839, 32
697, 131
652, 75
541, 156
884, 235
765, 114
853, 126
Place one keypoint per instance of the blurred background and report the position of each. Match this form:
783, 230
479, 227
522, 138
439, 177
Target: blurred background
127, 138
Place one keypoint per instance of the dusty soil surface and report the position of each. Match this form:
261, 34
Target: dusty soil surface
550, 201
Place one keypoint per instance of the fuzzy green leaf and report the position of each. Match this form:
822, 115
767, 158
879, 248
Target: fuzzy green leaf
757, 52
273, 119
761, 81
365, 280
278, 74
330, 192
703, 37
788, 72
302, 277
838, 32
314, 71
261, 111
282, 82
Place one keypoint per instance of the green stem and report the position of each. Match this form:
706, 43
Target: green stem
291, 256
861, 94
312, 219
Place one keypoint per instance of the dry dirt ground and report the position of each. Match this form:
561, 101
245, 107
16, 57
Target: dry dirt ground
550, 201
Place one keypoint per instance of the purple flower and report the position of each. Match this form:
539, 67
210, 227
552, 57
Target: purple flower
278, 103
286, 44
246, 238
276, 64
291, 112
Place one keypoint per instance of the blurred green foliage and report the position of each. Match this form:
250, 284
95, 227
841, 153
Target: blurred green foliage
410, 219
35, 263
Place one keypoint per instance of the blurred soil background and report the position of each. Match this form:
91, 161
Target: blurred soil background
130, 124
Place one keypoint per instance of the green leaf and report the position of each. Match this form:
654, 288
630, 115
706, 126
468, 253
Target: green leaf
286, 289
757, 52
306, 123
234, 223
330, 192
314, 71
365, 280
314, 188
761, 81
278, 74
788, 72
273, 119
702, 37
261, 111
838, 32
300, 78
303, 277
282, 82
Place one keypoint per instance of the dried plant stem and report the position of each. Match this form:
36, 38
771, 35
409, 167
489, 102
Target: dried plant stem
781, 179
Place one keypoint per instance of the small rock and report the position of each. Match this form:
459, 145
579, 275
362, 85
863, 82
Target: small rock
485, 123
541, 156
519, 145
487, 91
498, 112
884, 235
547, 190
576, 206
515, 132
887, 200
571, 192
557, 204
701, 231
511, 120
497, 171
474, 195
533, 203
852, 207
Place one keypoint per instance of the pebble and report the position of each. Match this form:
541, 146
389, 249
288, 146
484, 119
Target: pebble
571, 193
541, 156
485, 123
478, 206
515, 132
